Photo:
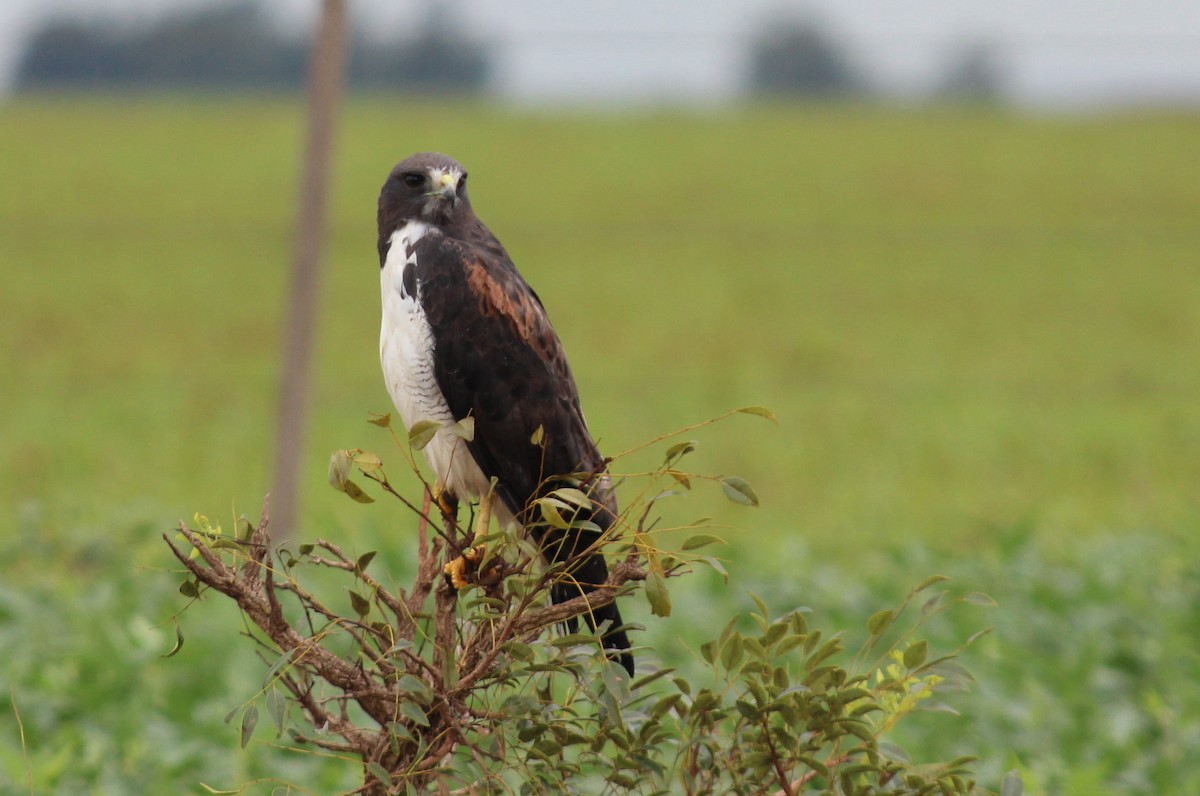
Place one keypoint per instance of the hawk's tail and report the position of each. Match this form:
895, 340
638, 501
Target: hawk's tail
582, 574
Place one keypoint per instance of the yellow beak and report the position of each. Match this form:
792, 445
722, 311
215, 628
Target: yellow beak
444, 186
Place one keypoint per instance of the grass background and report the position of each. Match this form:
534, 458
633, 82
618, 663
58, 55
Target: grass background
979, 330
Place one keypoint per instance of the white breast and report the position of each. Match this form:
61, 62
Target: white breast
406, 353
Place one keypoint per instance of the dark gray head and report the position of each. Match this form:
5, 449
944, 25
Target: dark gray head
427, 187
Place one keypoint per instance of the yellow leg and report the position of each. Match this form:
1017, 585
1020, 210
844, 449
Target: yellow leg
456, 570
485, 517
445, 499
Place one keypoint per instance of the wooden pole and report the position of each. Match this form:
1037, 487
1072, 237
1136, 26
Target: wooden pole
324, 96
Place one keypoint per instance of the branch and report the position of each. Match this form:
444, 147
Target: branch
522, 623
373, 673
257, 601
621, 574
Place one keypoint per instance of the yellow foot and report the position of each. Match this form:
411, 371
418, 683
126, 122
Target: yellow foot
462, 571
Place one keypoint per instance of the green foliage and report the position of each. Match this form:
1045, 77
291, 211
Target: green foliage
977, 330
1089, 671
91, 705
788, 713
1086, 685
961, 318
467, 690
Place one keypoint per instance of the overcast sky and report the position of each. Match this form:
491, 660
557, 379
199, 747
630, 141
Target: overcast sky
1078, 53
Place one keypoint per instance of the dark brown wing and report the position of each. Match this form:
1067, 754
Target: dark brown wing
497, 358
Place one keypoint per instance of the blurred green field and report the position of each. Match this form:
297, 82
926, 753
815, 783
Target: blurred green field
980, 332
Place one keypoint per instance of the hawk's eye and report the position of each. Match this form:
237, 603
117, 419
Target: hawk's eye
413, 180
462, 183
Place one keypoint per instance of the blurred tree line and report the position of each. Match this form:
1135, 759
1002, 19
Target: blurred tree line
235, 45
797, 57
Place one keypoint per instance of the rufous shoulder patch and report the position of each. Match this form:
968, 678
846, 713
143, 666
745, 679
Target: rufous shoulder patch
506, 299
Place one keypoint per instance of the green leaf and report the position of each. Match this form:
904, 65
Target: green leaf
339, 474
761, 411
551, 514
249, 722
680, 478
280, 663
827, 650
360, 604
538, 435
971, 639
277, 706
574, 497
361, 564
748, 709
383, 421
935, 706
178, 641
880, 621
355, 492
380, 773
464, 428
413, 712
421, 433
934, 603
979, 598
731, 653
189, 588
774, 633
572, 640
586, 525
245, 528
914, 656
760, 605
680, 449
519, 650
399, 732
400, 646
929, 581
865, 707
616, 681
657, 595
715, 564
705, 700
415, 686
738, 490
646, 679
699, 540
367, 462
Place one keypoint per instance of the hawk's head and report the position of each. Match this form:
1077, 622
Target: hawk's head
426, 187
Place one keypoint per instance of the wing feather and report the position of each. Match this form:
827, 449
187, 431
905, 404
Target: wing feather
498, 359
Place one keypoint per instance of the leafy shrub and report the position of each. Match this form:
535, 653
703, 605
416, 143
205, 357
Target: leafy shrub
467, 692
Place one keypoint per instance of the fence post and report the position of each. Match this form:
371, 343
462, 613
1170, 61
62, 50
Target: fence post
324, 95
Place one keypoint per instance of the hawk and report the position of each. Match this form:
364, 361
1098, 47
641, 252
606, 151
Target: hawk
463, 335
